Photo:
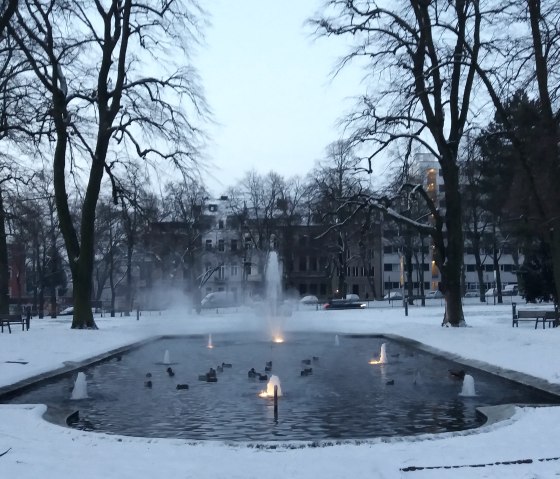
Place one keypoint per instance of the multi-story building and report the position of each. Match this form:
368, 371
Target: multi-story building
426, 170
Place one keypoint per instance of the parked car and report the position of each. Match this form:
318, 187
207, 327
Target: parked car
434, 294
69, 311
218, 299
491, 292
353, 297
472, 294
510, 290
345, 304
393, 296
310, 299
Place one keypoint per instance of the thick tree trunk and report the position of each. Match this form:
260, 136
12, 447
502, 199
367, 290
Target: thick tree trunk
555, 254
452, 267
83, 315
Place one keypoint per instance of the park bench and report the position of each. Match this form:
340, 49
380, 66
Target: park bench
9, 319
545, 316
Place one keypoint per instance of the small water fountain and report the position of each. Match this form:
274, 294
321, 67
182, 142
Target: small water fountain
336, 340
468, 389
80, 387
269, 393
382, 356
166, 358
210, 345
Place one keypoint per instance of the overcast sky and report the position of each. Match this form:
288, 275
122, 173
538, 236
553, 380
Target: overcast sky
268, 83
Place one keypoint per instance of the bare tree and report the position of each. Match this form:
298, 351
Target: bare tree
420, 59
334, 182
118, 77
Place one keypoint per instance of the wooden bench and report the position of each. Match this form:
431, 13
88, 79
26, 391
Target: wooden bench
544, 316
8, 319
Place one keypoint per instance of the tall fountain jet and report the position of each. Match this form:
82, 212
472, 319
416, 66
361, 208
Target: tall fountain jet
273, 291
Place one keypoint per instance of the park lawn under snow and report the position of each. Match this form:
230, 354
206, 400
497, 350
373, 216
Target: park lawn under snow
41, 449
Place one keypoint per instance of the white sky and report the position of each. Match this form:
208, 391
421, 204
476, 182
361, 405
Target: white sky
38, 449
268, 83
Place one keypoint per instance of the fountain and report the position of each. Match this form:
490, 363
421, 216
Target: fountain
269, 393
80, 387
468, 387
210, 345
273, 291
166, 359
382, 356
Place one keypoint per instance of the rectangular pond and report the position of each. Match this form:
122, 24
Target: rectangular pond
342, 397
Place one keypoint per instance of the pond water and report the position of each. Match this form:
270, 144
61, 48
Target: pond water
344, 397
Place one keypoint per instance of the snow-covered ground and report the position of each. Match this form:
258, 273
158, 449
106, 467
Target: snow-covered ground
524, 446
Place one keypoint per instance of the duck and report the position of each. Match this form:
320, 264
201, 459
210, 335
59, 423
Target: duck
148, 375
211, 373
148, 384
391, 382
315, 358
226, 365
263, 377
306, 361
182, 386
268, 368
306, 372
269, 364
170, 372
219, 368
252, 373
211, 379
202, 377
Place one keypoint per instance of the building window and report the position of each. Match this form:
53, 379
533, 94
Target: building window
303, 263
234, 270
222, 272
323, 289
221, 224
313, 264
234, 245
212, 208
387, 267
471, 268
208, 245
221, 245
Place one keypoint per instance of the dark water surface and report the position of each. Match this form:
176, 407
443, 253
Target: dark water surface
343, 398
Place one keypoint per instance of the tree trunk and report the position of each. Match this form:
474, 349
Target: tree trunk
4, 266
452, 267
83, 315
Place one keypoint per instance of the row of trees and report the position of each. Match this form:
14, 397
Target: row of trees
433, 70
261, 203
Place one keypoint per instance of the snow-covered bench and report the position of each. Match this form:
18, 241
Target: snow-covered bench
544, 316
8, 319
